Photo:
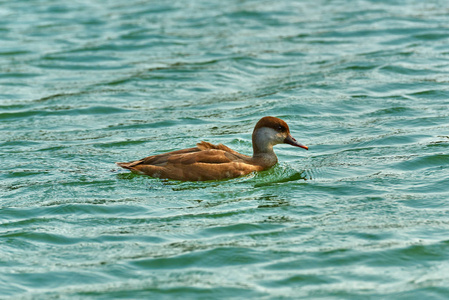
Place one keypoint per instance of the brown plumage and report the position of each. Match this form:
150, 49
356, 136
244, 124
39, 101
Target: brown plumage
213, 162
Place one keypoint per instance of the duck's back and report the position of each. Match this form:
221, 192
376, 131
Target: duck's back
204, 162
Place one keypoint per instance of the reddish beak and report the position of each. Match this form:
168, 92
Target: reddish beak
291, 141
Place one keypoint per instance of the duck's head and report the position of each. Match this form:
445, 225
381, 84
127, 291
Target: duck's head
270, 131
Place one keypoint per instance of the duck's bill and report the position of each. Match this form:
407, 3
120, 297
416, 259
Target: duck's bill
291, 141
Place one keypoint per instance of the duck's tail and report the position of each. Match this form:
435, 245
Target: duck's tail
124, 165
128, 165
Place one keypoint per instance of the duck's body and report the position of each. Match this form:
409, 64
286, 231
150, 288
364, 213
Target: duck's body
214, 162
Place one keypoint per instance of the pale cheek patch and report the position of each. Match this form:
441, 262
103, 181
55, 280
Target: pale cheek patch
267, 136
280, 138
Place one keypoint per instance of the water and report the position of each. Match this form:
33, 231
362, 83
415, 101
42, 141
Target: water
362, 215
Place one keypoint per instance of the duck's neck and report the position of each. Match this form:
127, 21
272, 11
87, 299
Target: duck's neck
263, 148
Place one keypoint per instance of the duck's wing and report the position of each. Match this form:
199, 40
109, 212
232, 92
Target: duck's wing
162, 159
209, 156
205, 162
185, 156
211, 164
159, 159
205, 146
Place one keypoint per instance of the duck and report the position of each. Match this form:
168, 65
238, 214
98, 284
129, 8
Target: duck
207, 161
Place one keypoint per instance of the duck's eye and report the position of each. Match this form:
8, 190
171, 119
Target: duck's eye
281, 128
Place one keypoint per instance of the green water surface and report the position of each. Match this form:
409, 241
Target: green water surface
364, 214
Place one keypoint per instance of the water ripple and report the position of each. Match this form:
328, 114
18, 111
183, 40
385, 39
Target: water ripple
362, 214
